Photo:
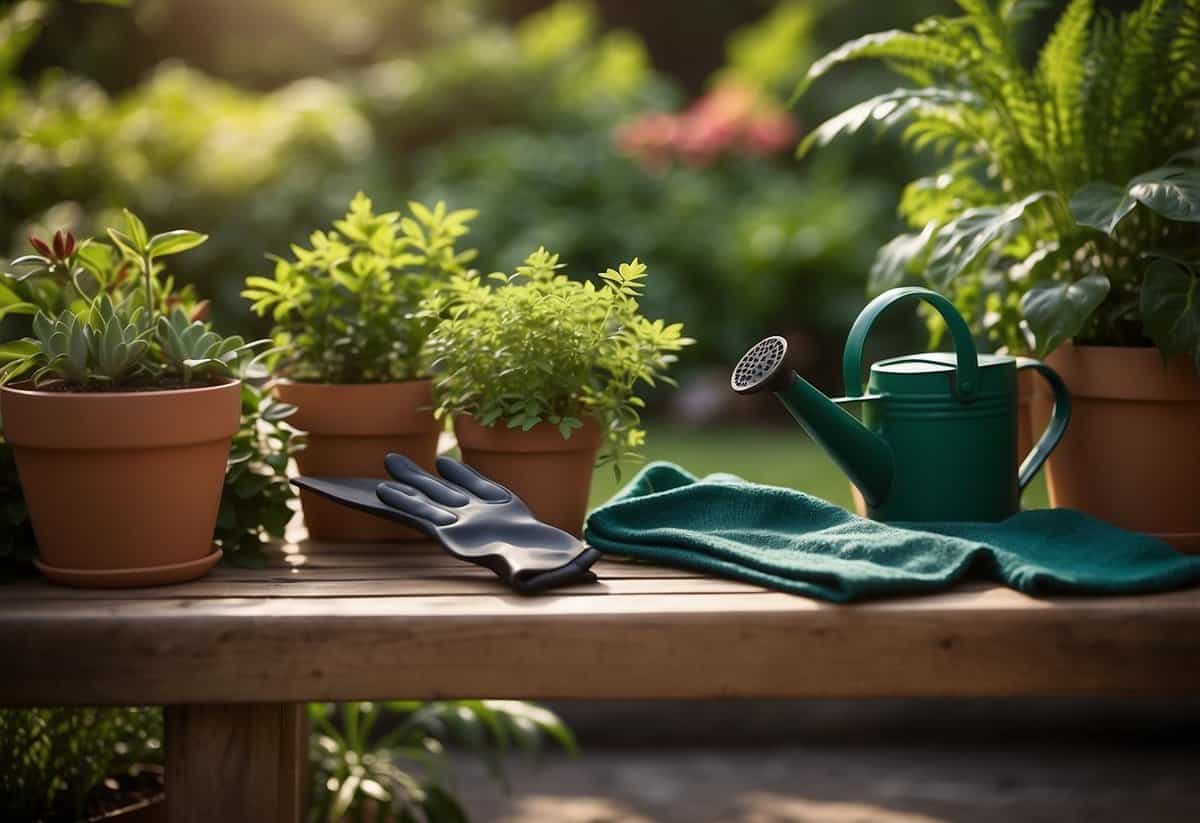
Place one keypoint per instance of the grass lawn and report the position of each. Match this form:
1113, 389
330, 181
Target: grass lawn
779, 457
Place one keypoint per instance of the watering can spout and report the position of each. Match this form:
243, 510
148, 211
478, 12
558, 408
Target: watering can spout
863, 455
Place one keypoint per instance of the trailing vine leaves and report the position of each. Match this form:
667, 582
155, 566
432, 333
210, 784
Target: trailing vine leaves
1171, 191
256, 497
1101, 205
1057, 311
1171, 308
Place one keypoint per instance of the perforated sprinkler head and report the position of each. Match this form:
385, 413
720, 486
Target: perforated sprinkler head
763, 368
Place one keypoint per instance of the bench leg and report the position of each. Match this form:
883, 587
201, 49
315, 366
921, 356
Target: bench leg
236, 762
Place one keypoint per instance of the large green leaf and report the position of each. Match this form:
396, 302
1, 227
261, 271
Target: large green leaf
959, 242
1057, 311
1171, 309
1101, 206
1172, 191
174, 242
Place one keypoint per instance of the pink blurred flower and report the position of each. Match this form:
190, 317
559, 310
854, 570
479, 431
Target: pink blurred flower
731, 119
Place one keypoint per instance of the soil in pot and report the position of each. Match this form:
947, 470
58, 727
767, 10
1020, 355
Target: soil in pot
1131, 455
122, 487
351, 428
135, 797
552, 475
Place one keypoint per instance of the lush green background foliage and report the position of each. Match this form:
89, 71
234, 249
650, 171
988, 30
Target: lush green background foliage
255, 140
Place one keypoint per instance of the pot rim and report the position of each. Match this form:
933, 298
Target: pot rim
18, 388
1131, 373
107, 421
361, 409
287, 381
542, 438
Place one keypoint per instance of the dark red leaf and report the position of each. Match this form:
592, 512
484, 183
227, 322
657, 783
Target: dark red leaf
60, 246
40, 247
70, 244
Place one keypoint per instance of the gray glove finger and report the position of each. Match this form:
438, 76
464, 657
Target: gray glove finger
408, 500
405, 470
463, 475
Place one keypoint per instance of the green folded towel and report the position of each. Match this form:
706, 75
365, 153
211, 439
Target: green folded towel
787, 540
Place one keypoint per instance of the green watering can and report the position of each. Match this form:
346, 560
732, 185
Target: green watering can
938, 436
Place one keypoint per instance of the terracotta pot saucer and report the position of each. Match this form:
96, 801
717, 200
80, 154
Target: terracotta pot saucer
129, 578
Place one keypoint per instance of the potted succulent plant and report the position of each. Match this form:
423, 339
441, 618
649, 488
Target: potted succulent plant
1063, 222
540, 374
122, 420
349, 325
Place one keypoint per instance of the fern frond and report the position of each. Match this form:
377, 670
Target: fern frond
883, 111
946, 129
1060, 69
899, 47
956, 188
1144, 37
995, 69
1182, 69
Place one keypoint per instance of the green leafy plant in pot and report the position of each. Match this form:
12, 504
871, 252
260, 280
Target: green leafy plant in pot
349, 325
1063, 222
120, 414
541, 374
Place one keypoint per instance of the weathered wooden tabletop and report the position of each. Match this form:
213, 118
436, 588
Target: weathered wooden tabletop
234, 656
343, 622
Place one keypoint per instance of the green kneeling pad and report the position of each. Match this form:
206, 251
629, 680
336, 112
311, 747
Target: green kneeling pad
787, 540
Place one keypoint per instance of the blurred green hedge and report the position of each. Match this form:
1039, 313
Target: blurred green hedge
435, 100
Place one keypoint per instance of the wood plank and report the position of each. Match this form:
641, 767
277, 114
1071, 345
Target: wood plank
974, 641
427, 584
381, 564
243, 762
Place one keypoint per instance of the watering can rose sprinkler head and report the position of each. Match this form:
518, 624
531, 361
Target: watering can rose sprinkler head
763, 368
861, 454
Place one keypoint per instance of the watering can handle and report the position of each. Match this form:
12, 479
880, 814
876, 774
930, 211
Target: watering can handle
967, 376
1058, 420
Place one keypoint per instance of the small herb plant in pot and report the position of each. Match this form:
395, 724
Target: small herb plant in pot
541, 373
123, 415
348, 320
1065, 223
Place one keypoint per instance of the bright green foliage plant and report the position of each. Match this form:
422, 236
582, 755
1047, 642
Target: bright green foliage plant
347, 309
108, 337
399, 769
256, 496
1069, 192
539, 347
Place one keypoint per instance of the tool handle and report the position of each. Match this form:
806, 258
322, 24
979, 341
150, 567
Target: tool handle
966, 381
1059, 417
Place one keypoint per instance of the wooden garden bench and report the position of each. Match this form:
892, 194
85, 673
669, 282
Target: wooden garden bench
234, 656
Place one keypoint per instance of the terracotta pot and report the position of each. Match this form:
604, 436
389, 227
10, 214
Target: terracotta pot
123, 487
1131, 455
552, 475
1026, 379
351, 428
